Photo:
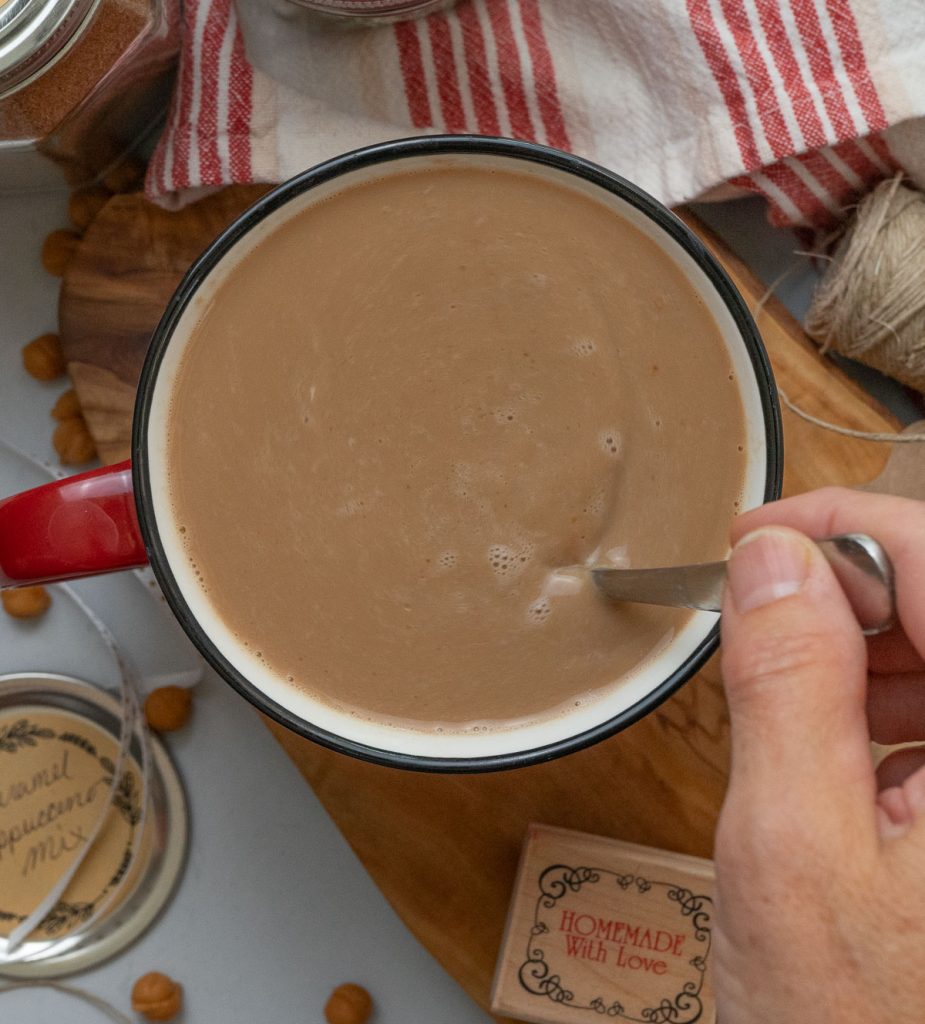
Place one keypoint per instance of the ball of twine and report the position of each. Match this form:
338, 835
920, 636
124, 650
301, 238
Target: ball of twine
870, 305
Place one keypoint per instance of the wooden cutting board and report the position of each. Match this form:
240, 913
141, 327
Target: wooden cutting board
444, 849
116, 288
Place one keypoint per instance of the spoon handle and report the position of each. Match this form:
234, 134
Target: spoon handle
859, 562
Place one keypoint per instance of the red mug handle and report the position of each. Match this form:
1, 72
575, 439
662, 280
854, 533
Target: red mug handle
80, 526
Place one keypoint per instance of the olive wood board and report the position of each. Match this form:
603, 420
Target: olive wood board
130, 260
444, 849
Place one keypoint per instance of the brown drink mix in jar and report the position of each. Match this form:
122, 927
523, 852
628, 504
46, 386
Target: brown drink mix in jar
408, 421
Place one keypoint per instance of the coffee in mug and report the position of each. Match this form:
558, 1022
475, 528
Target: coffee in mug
388, 421
408, 418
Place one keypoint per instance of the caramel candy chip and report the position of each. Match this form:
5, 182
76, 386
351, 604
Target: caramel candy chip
168, 708
43, 357
26, 602
57, 251
73, 441
68, 405
83, 206
348, 1004
157, 997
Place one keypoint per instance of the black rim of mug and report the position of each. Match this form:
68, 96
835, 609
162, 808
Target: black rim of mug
382, 153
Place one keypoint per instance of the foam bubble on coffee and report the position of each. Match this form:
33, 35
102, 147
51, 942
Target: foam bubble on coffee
611, 442
539, 611
506, 560
584, 347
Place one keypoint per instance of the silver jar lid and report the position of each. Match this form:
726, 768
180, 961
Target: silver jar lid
34, 34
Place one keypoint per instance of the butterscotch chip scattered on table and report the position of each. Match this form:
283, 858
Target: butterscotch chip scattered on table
348, 1004
43, 357
85, 204
157, 997
67, 405
73, 441
168, 708
26, 602
57, 251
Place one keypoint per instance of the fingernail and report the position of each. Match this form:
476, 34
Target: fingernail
767, 565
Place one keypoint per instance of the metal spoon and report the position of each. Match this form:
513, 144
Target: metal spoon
861, 565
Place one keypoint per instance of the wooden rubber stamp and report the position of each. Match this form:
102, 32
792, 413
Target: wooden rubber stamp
599, 927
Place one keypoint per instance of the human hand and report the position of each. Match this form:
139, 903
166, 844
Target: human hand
820, 861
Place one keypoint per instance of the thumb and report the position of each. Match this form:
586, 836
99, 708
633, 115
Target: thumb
795, 670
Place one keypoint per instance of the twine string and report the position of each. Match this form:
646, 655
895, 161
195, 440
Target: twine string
870, 303
890, 437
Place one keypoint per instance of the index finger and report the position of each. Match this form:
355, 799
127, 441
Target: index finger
898, 523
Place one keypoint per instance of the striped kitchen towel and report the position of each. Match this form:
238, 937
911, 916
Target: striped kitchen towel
804, 101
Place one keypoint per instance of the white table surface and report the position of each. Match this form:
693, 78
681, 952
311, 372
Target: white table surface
274, 909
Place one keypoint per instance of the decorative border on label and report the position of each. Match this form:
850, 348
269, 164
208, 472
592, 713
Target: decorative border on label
64, 916
537, 978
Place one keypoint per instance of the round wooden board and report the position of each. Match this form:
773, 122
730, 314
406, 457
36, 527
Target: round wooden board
114, 291
444, 848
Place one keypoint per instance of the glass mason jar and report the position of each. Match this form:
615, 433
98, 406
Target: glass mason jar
371, 12
82, 83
